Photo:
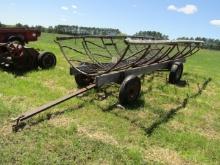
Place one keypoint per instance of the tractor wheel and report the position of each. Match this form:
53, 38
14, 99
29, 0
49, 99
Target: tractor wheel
176, 73
129, 90
25, 59
26, 62
47, 60
83, 80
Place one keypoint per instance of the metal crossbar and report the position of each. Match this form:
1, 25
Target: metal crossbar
103, 54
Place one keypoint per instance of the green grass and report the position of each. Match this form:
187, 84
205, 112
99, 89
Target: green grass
168, 125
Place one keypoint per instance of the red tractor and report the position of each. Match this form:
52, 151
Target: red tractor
13, 53
21, 35
16, 56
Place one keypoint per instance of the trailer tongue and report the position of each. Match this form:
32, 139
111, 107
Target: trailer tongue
47, 106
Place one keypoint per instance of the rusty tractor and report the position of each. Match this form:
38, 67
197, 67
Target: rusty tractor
18, 57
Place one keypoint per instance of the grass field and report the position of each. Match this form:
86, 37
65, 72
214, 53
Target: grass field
168, 125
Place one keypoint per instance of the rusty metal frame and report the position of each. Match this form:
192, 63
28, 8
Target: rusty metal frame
140, 57
136, 63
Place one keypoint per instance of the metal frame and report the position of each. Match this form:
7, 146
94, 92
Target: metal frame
128, 58
142, 60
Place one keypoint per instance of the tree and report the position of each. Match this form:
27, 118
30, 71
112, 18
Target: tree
50, 29
152, 34
19, 25
2, 25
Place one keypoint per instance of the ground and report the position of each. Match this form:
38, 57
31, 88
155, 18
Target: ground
168, 124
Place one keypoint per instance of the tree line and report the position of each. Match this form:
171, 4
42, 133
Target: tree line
71, 30
79, 30
209, 43
153, 34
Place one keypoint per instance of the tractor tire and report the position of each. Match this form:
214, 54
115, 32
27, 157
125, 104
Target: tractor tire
176, 72
47, 60
129, 90
27, 61
83, 80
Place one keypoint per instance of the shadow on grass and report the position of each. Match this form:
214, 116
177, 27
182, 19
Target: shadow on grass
166, 117
182, 83
50, 116
47, 117
18, 72
148, 130
130, 107
139, 103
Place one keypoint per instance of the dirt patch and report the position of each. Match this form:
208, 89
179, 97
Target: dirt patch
15, 99
165, 156
206, 130
177, 126
5, 130
209, 134
97, 135
50, 83
142, 114
61, 121
168, 107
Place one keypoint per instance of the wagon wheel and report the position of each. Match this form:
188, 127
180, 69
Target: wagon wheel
176, 73
129, 90
83, 80
47, 60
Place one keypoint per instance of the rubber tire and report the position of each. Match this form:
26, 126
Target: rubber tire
47, 60
129, 90
83, 80
176, 72
27, 62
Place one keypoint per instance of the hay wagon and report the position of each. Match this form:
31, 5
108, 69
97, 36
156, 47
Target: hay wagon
98, 60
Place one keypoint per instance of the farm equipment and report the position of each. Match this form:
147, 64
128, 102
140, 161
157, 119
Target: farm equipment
19, 35
19, 57
98, 60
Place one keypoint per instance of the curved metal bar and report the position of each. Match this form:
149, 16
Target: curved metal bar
116, 48
132, 55
64, 54
191, 52
186, 53
68, 47
100, 55
95, 44
106, 48
134, 62
118, 62
162, 56
146, 61
179, 52
88, 54
98, 47
142, 57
